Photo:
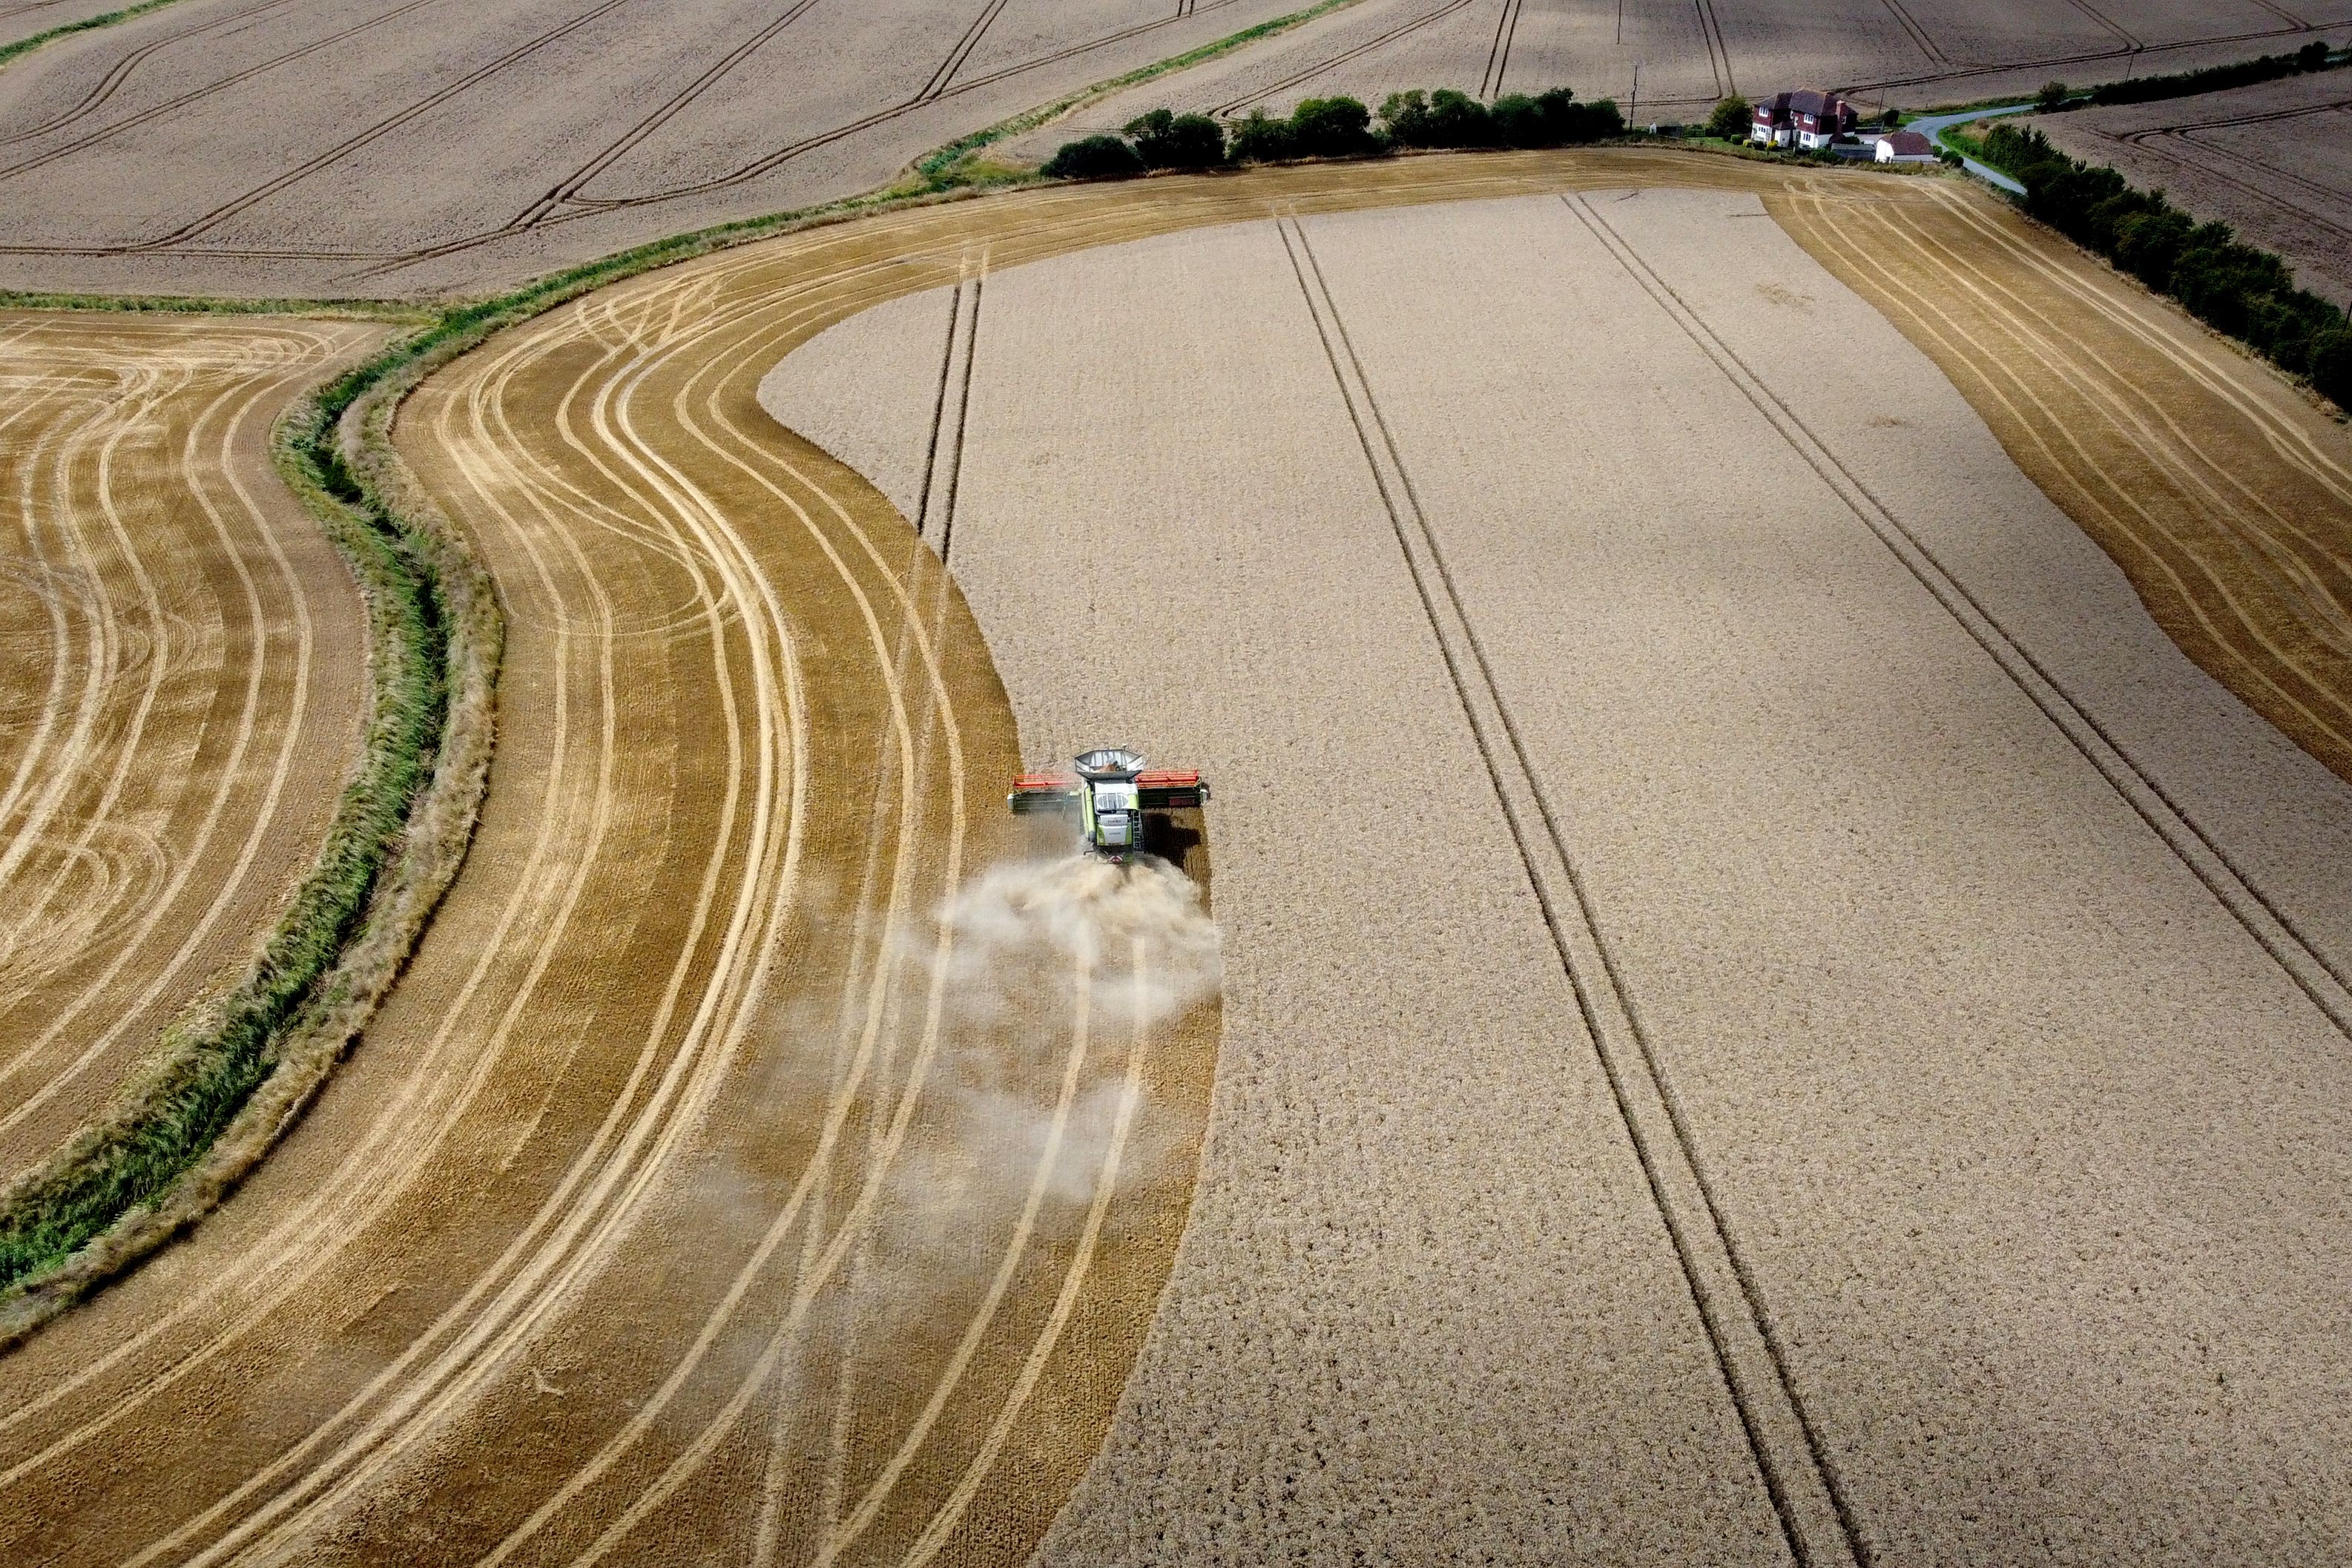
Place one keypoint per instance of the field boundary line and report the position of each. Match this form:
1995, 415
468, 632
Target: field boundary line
25, 46
2180, 831
1797, 1473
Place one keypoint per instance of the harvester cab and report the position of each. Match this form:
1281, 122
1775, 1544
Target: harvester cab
1108, 793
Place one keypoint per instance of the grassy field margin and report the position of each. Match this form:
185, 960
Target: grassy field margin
25, 46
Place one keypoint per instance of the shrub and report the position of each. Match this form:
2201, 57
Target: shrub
1261, 139
1445, 118
2053, 96
1094, 158
1164, 139
1332, 128
2330, 363
1594, 122
1732, 118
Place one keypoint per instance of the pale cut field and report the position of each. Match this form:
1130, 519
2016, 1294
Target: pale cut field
2005, 1113
1691, 54
180, 694
2274, 160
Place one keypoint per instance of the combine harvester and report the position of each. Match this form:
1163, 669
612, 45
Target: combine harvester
1111, 792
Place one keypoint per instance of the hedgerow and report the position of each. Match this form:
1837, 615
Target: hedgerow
2233, 287
2315, 56
1340, 127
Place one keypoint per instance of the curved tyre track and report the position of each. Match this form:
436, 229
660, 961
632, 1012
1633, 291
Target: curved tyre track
623, 1188
183, 687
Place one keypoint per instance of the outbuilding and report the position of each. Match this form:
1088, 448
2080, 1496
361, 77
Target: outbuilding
1905, 147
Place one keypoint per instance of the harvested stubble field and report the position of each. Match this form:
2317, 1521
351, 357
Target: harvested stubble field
669, 1211
180, 692
1691, 54
2274, 160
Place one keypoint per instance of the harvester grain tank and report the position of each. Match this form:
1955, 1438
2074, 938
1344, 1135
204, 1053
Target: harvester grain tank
1108, 793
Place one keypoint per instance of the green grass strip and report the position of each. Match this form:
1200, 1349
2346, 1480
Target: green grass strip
88, 24
400, 311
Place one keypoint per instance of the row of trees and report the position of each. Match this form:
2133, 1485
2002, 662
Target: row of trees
2316, 56
1339, 128
2233, 287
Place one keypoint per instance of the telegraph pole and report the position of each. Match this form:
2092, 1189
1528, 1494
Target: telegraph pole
1637, 93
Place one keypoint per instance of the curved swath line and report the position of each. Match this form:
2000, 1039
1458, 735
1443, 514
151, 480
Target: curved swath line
2228, 634
206, 222
1000, 1284
265, 819
695, 1071
327, 1216
781, 1228
1986, 362
155, 111
67, 582
621, 146
942, 1525
324, 1215
2165, 450
806, 1291
550, 832
1400, 30
32, 908
556, 828
67, 772
120, 72
2202, 362
41, 579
